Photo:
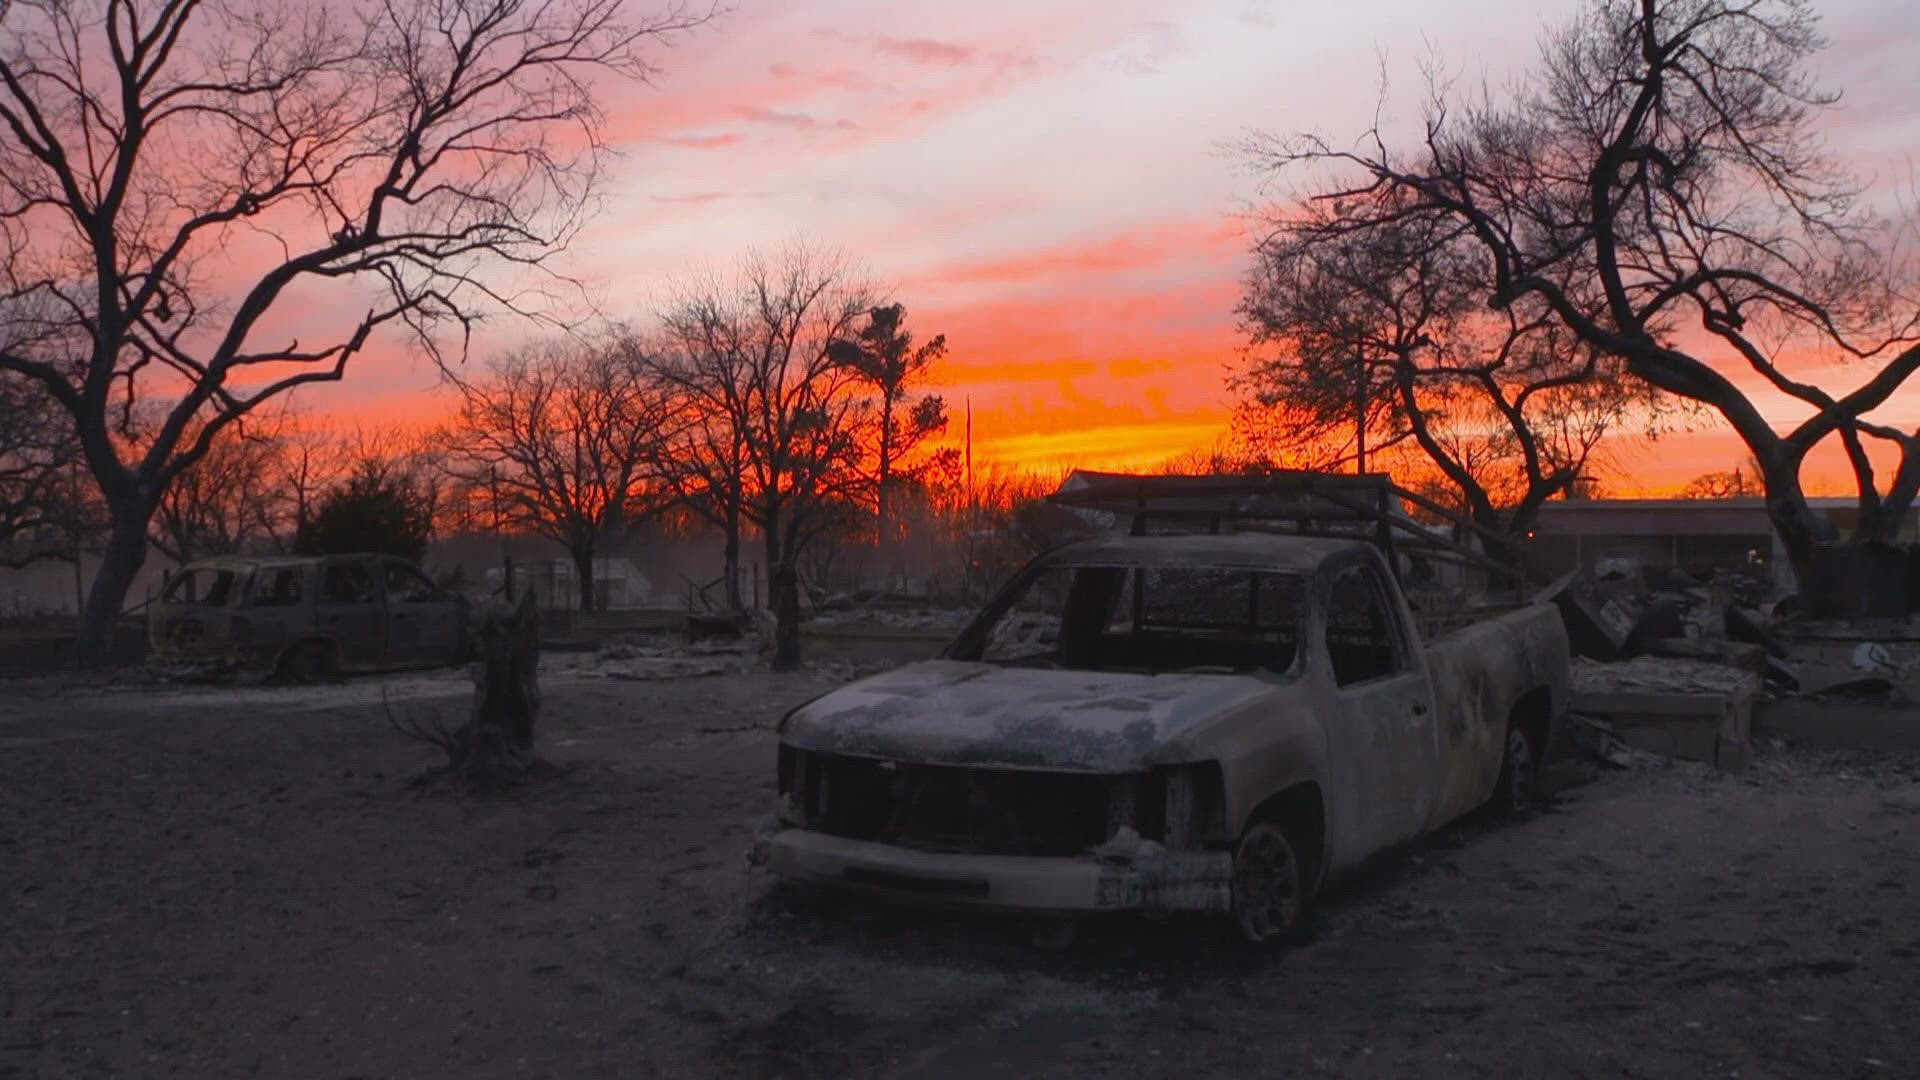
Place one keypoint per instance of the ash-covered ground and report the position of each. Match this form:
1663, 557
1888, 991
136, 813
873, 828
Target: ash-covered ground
215, 881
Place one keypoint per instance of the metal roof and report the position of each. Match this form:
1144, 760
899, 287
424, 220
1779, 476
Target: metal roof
1265, 551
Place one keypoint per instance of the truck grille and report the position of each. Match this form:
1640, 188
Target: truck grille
949, 808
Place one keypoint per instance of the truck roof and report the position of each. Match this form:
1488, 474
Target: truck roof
1263, 551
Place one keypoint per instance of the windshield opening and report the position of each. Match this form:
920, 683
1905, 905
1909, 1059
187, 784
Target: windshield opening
1143, 619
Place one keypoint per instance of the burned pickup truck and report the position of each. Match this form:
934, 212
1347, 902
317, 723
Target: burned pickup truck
299, 617
1195, 723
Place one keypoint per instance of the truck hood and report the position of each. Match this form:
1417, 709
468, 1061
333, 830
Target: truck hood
951, 712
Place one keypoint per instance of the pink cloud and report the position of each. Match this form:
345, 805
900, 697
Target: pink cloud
703, 142
696, 198
760, 114
926, 50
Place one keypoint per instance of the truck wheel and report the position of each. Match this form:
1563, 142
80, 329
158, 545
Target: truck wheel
1519, 787
1268, 893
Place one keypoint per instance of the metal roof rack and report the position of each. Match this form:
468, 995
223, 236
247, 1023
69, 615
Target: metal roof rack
1366, 506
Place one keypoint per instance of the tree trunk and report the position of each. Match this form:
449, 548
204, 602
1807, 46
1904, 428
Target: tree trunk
880, 495
1505, 550
583, 566
125, 553
1794, 522
732, 561
786, 611
784, 595
1902, 490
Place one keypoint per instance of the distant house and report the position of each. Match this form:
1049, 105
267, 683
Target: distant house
617, 584
1685, 534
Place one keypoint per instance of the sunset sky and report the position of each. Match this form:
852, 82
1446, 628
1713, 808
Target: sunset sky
1049, 184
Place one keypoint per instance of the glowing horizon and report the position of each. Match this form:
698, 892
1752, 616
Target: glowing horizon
1047, 186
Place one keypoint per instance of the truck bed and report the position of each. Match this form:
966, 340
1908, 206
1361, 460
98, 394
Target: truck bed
1485, 672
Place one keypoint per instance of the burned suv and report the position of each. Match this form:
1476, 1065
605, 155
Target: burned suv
301, 617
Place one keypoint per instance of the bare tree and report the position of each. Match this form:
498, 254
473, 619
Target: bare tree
884, 355
760, 375
1376, 325
567, 439
705, 368
389, 155
311, 461
227, 502
40, 493
1659, 187
1740, 482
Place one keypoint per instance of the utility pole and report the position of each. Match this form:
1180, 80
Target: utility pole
499, 544
1360, 416
973, 506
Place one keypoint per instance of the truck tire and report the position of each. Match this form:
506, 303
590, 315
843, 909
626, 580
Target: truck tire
1269, 892
1519, 789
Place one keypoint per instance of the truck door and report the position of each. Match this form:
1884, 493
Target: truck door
424, 625
1380, 727
351, 613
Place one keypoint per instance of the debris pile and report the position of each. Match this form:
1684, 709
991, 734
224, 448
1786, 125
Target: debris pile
1669, 665
1658, 675
919, 619
1690, 709
644, 659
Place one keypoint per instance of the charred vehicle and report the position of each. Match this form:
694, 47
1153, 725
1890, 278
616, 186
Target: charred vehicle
301, 617
1191, 723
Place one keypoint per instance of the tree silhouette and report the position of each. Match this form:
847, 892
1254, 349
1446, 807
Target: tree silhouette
1659, 186
885, 357
186, 188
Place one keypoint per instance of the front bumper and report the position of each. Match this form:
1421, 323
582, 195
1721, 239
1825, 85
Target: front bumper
1154, 880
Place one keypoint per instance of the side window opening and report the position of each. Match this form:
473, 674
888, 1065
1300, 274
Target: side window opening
1362, 643
348, 583
407, 586
276, 586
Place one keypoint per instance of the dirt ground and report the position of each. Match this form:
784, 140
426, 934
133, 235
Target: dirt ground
239, 882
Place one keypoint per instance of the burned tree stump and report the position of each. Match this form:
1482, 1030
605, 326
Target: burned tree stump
495, 746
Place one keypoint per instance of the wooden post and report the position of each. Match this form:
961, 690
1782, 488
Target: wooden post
79, 588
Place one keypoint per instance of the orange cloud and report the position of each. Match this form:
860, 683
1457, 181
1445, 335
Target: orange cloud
703, 142
1106, 255
1138, 445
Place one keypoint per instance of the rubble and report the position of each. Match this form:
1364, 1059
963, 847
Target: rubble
1690, 709
950, 620
1658, 675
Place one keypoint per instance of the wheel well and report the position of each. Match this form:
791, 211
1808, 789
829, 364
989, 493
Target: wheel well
1302, 812
1533, 714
